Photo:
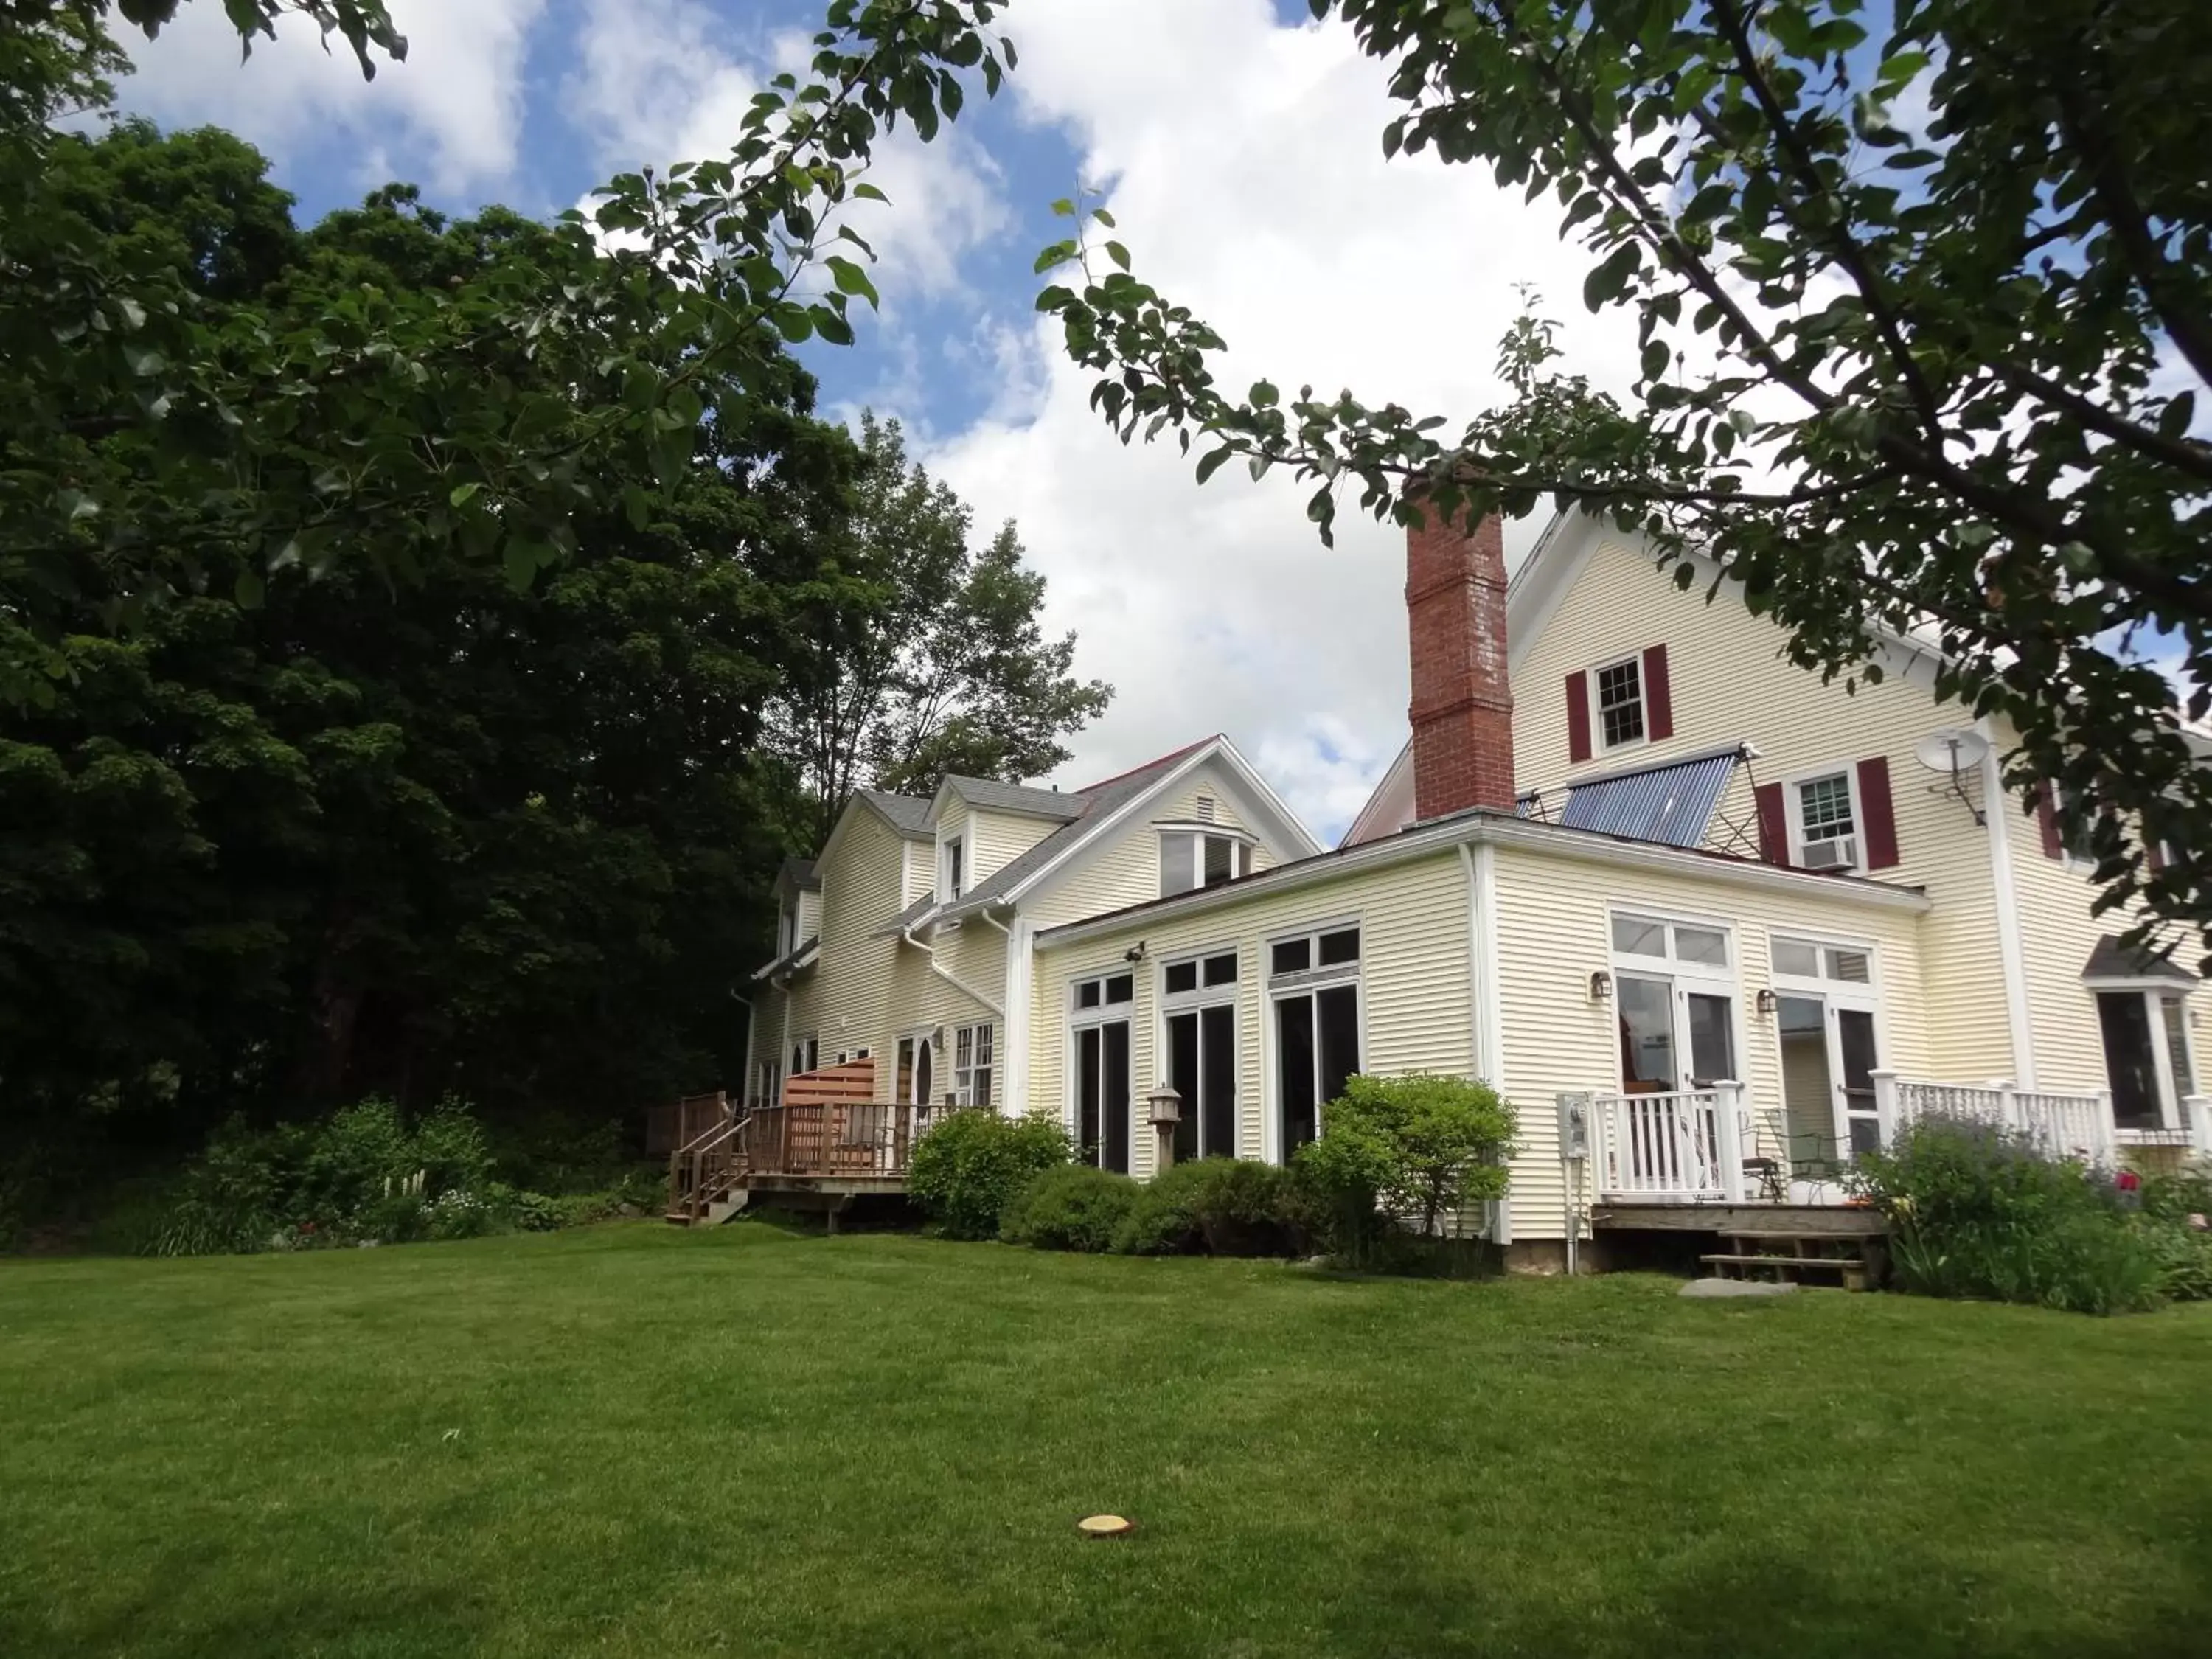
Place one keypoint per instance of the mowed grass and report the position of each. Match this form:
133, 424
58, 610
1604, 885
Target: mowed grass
636, 1440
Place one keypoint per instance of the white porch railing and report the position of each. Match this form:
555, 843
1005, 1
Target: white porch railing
2062, 1125
1685, 1144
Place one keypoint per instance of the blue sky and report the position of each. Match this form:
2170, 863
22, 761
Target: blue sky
1240, 147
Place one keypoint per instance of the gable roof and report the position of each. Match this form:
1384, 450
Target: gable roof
996, 797
1093, 809
799, 874
908, 814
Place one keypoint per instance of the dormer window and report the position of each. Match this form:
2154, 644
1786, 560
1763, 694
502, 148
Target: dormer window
954, 873
786, 930
1619, 688
1191, 858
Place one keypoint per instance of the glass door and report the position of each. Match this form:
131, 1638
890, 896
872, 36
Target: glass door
1102, 1095
1857, 1058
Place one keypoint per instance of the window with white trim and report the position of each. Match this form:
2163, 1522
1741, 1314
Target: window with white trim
2148, 1060
1825, 829
953, 870
1191, 858
786, 930
971, 1064
1101, 1080
1313, 992
1198, 1003
1618, 690
806, 1055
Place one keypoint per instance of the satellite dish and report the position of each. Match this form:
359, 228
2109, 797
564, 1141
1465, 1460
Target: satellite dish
1951, 750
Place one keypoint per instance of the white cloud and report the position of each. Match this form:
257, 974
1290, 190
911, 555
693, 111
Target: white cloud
1246, 173
453, 110
662, 81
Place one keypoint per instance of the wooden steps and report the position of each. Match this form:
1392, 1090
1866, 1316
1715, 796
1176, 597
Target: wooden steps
1789, 1255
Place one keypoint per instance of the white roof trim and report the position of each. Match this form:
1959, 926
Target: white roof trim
1482, 827
1399, 776
1295, 834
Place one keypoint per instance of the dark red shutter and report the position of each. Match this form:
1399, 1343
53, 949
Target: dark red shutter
1658, 695
1578, 747
2046, 817
1880, 828
1773, 824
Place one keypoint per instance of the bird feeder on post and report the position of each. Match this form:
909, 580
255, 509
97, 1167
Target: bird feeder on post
1166, 1112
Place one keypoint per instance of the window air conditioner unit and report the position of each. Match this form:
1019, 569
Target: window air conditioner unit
1838, 855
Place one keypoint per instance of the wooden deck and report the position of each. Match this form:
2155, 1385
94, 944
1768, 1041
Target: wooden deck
827, 1136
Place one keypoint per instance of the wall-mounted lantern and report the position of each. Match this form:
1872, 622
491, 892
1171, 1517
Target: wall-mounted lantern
1764, 1000
1166, 1104
1601, 987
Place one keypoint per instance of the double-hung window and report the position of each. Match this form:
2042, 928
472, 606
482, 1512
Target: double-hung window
1191, 858
971, 1064
955, 870
806, 1055
1313, 994
1826, 826
1198, 996
1620, 690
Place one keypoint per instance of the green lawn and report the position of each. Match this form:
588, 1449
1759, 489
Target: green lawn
635, 1440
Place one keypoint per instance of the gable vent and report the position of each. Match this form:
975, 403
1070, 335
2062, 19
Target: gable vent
1203, 809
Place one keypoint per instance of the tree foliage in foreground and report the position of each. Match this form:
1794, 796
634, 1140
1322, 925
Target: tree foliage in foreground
151, 431
1927, 313
948, 670
295, 835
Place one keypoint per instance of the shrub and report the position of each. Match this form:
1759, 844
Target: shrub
1217, 1206
1069, 1207
969, 1167
1406, 1152
1976, 1210
450, 1151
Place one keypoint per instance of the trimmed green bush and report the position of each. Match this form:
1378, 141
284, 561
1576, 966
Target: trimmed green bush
1404, 1155
1217, 1206
969, 1167
1070, 1206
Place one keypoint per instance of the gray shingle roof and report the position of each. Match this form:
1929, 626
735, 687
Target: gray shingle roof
799, 873
1100, 800
794, 958
908, 813
990, 793
907, 918
2112, 960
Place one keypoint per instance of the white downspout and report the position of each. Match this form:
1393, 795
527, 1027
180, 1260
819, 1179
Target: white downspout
1996, 808
948, 977
752, 1060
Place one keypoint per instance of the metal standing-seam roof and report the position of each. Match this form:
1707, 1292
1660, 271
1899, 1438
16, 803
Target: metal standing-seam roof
1671, 802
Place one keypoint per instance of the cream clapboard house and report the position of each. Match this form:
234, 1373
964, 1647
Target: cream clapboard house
1715, 922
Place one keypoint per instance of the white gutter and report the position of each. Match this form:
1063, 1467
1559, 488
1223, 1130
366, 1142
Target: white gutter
1481, 829
948, 976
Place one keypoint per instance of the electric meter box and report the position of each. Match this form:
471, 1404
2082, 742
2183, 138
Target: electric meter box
1574, 1124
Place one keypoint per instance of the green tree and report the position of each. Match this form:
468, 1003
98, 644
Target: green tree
153, 431
1931, 372
343, 834
949, 672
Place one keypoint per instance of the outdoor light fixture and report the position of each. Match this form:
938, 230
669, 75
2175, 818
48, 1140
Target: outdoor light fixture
1166, 1104
1766, 1000
1135, 953
1601, 987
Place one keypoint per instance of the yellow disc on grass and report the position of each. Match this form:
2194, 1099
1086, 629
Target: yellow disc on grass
1105, 1526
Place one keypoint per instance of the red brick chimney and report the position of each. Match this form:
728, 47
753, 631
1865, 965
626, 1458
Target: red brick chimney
1462, 706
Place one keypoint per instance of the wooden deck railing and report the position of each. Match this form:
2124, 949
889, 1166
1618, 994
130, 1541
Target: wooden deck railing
826, 1125
679, 1123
